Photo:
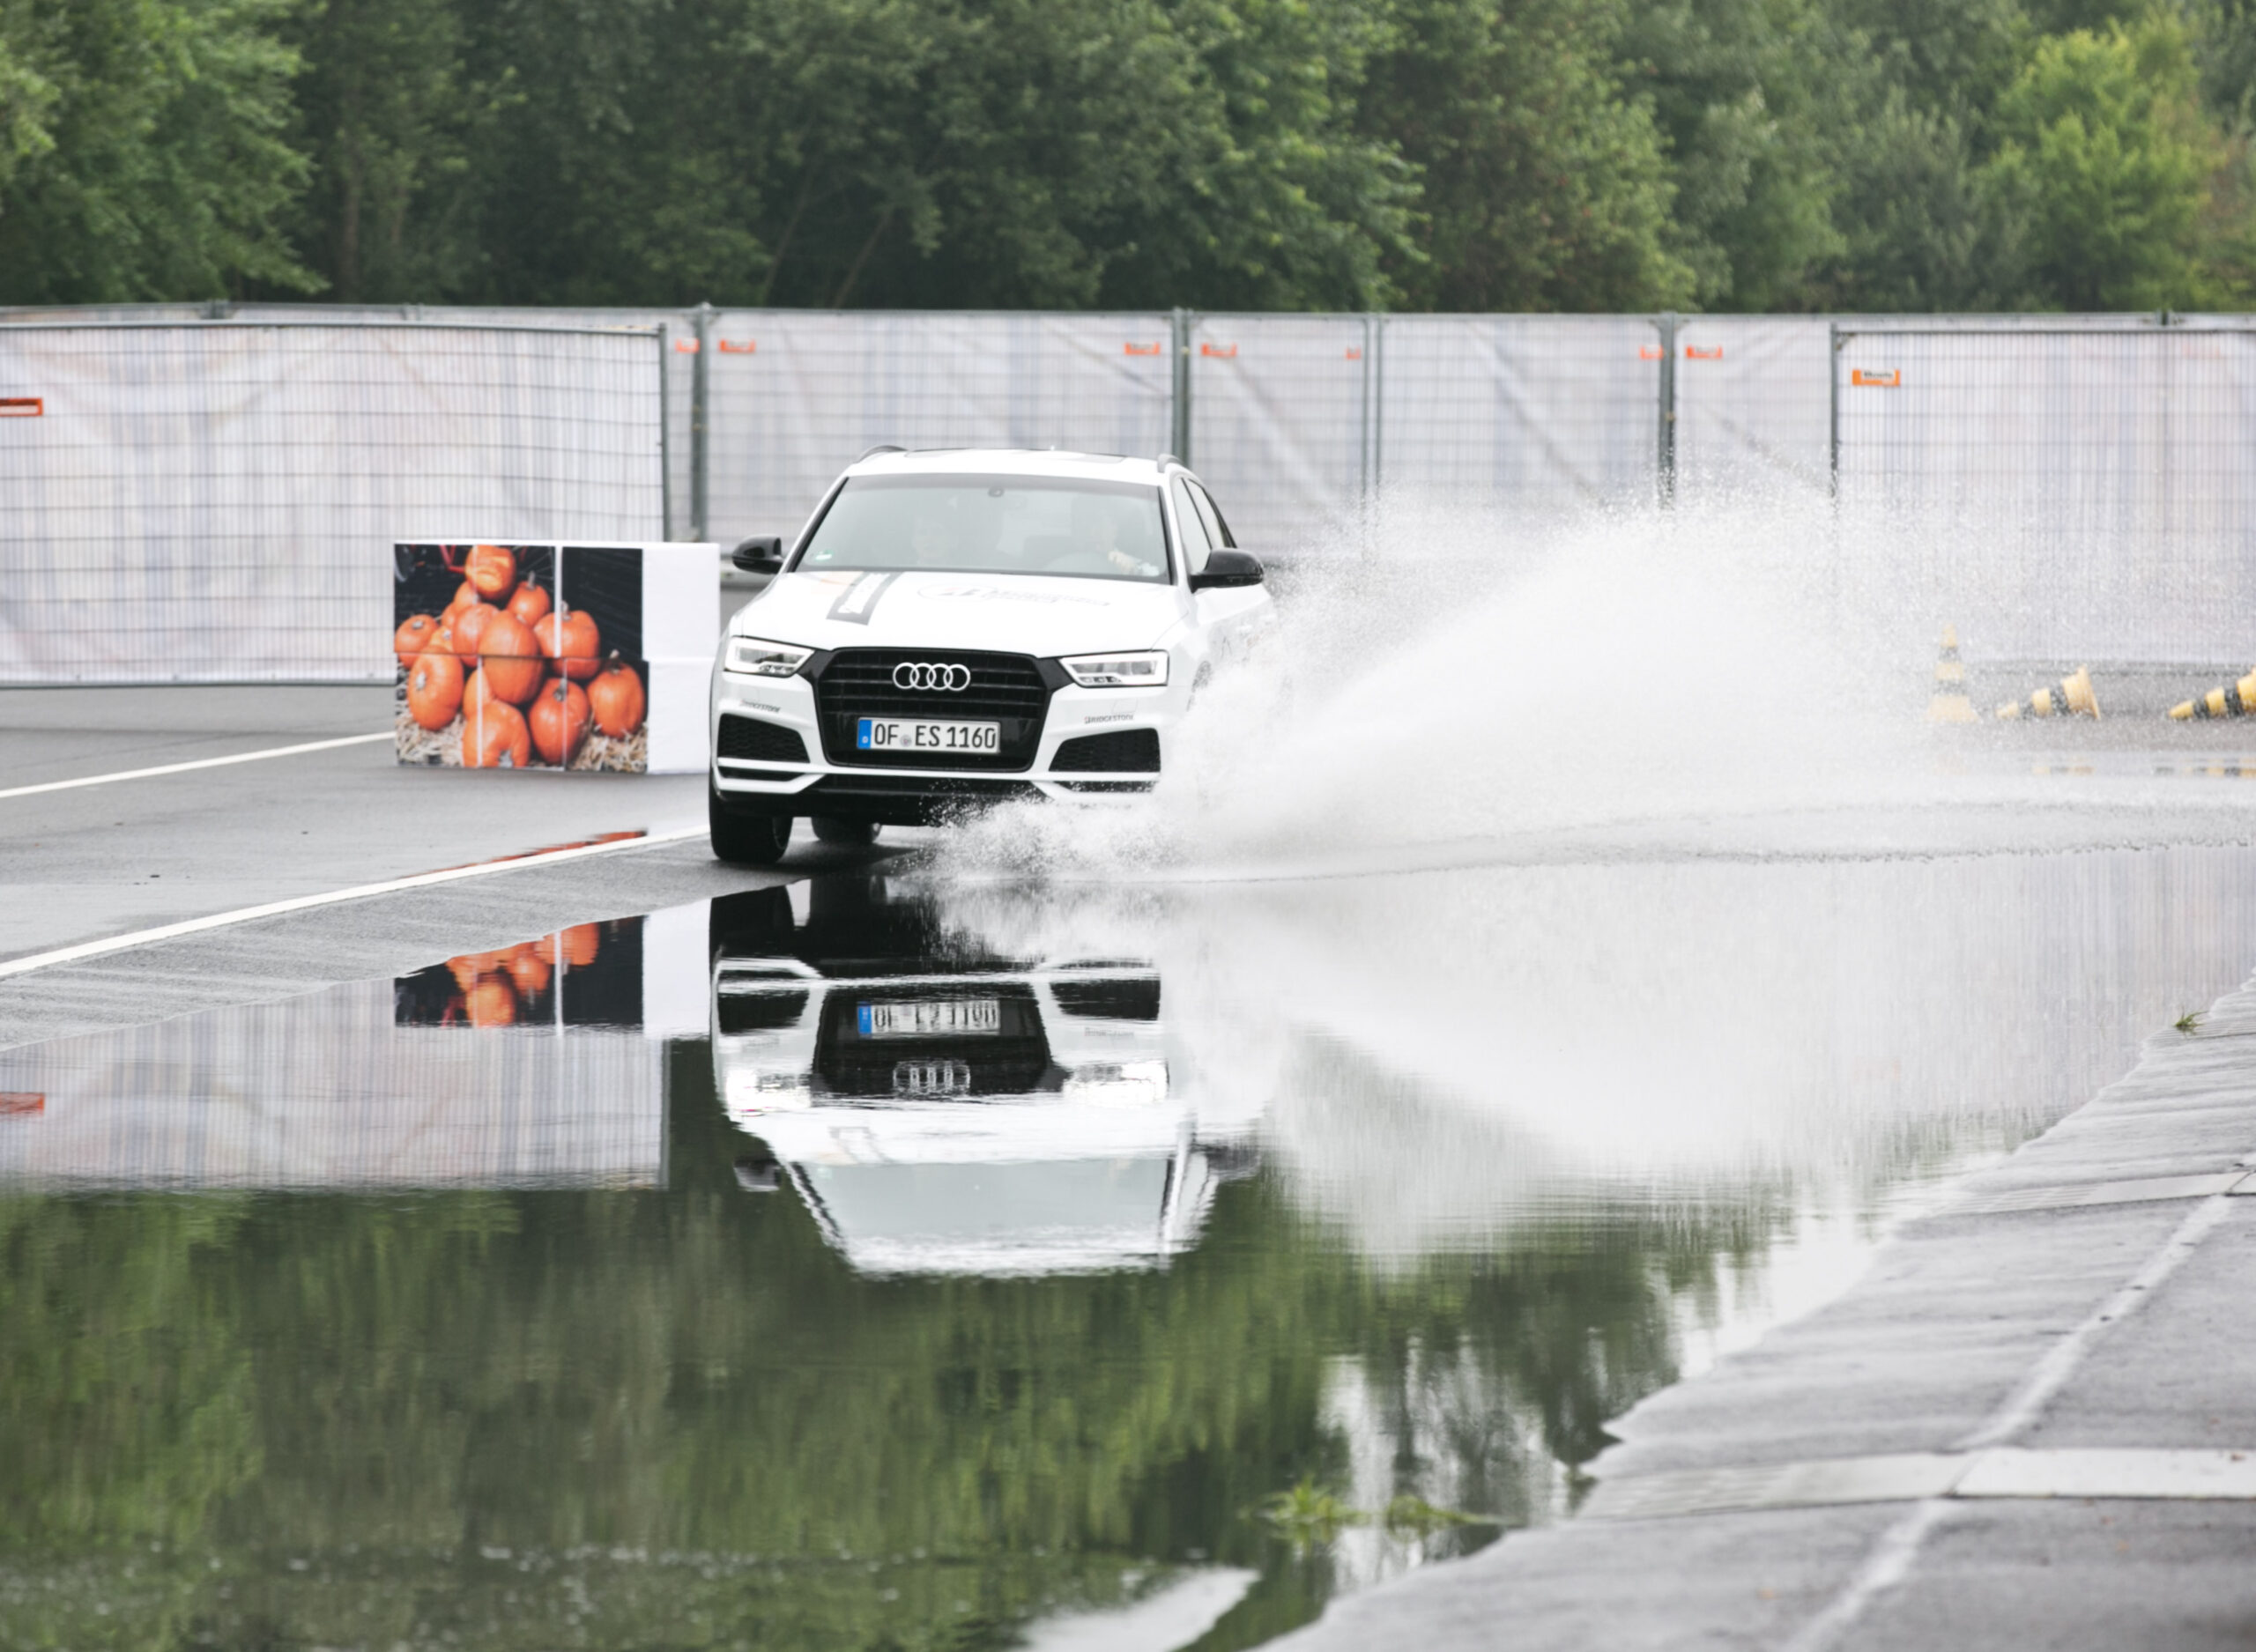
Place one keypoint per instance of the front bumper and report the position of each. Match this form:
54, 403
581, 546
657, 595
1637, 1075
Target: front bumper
815, 785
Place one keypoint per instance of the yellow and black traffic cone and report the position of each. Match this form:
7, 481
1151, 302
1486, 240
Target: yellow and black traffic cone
2234, 699
1948, 703
2073, 697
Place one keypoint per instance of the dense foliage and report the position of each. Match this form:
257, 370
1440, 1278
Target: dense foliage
1460, 154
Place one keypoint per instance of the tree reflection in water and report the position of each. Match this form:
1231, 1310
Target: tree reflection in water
606, 1419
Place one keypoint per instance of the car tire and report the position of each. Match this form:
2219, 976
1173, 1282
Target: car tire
745, 839
845, 833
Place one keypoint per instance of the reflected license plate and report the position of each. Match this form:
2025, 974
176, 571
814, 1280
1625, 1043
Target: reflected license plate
925, 1018
906, 734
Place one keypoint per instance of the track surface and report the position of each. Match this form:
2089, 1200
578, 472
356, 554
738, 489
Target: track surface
105, 860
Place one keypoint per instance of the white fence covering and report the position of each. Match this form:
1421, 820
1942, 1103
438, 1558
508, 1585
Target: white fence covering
2059, 488
217, 501
2063, 493
794, 397
326, 1090
1752, 408
1532, 411
1281, 410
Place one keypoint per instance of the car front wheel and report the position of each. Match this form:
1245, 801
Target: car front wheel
745, 839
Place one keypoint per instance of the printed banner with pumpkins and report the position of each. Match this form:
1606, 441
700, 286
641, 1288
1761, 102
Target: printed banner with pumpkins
540, 655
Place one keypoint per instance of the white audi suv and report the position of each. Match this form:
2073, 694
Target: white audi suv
955, 628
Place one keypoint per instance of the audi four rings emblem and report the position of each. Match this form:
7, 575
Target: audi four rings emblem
925, 674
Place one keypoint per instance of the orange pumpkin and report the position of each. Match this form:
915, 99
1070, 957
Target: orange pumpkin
558, 721
530, 603
509, 658
435, 690
530, 970
494, 736
493, 569
442, 640
616, 698
569, 637
581, 942
413, 636
469, 626
464, 594
492, 1002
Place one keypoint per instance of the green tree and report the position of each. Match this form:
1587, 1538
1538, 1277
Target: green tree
144, 150
1920, 228
385, 120
1542, 184
2105, 148
1752, 97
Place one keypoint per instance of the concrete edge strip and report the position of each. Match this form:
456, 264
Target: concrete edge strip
201, 762
2077, 1195
1995, 1472
335, 897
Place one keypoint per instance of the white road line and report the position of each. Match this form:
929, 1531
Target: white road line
201, 762
360, 892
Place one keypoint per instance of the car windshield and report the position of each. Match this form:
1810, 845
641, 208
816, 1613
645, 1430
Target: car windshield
993, 524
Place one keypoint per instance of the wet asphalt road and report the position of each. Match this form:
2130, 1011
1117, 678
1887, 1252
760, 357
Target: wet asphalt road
100, 861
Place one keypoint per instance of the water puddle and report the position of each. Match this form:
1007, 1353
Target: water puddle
895, 1260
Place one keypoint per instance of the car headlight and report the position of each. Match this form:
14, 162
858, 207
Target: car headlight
750, 656
1119, 670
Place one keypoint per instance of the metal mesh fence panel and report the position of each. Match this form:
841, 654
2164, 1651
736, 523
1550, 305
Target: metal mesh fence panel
1540, 411
1752, 408
679, 326
2060, 494
1281, 410
217, 501
794, 396
1753, 393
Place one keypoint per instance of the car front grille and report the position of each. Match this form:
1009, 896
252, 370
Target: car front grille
1005, 688
1012, 1060
1123, 751
749, 740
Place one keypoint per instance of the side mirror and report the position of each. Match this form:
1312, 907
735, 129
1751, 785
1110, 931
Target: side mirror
1226, 568
762, 555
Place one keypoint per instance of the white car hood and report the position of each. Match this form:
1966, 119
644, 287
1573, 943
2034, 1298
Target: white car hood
1009, 613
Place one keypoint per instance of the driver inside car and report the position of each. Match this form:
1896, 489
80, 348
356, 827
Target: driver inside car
1096, 523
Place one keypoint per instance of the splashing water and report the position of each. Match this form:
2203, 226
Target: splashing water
1461, 679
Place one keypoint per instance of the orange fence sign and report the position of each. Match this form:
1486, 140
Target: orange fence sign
1652, 352
1878, 378
21, 1103
1140, 349
737, 346
21, 407
687, 346
1703, 352
1223, 350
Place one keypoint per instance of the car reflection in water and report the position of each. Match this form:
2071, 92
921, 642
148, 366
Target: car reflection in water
941, 1109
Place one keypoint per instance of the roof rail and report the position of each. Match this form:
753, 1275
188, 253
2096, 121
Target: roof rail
1165, 460
883, 446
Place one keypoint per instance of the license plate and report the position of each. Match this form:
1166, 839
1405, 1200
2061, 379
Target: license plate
927, 1017
902, 734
